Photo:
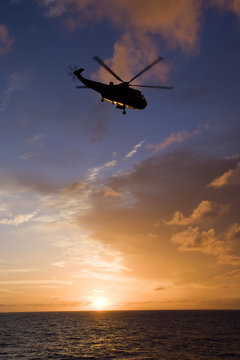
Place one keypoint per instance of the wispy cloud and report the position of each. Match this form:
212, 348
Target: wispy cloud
174, 138
3, 207
18, 270
35, 282
94, 172
34, 145
60, 264
16, 82
18, 220
6, 40
134, 150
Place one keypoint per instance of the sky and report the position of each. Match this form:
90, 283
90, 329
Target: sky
100, 210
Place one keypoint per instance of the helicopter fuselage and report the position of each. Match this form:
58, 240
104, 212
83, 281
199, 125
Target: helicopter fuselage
121, 94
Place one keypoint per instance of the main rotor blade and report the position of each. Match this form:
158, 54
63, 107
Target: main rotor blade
160, 58
81, 87
100, 62
155, 87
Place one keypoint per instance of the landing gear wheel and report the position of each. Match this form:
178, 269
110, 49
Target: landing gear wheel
102, 100
124, 112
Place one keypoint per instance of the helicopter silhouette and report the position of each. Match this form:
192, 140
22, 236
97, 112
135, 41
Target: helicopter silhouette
122, 94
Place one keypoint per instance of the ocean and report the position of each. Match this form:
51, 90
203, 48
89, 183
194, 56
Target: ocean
136, 335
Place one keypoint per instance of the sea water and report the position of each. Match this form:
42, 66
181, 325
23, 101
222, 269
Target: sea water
136, 335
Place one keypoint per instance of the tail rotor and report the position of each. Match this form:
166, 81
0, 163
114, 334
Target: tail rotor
70, 71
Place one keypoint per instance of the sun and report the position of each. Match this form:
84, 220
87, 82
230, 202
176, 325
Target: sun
100, 303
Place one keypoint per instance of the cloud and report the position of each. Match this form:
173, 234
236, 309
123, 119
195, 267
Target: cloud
233, 274
206, 210
6, 41
16, 82
94, 256
35, 282
142, 26
134, 150
131, 53
176, 21
18, 220
73, 188
226, 245
94, 172
231, 5
225, 302
59, 264
160, 288
192, 239
232, 236
150, 192
229, 259
108, 192
119, 210
109, 164
57, 203
96, 122
174, 138
49, 304
156, 181
17, 270
3, 207
34, 146
230, 177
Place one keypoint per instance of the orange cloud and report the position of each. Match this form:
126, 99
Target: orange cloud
194, 240
176, 21
225, 245
174, 138
230, 177
109, 192
206, 210
6, 40
142, 26
229, 259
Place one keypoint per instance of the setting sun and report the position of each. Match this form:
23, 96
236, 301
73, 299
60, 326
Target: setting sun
100, 303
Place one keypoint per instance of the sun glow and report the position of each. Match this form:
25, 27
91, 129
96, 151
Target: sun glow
100, 303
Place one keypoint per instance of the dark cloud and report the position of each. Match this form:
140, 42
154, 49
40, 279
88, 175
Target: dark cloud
134, 221
223, 303
28, 182
160, 288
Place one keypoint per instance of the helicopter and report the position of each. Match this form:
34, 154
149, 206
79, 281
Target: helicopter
122, 94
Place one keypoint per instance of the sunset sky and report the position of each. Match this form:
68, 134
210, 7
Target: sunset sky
100, 210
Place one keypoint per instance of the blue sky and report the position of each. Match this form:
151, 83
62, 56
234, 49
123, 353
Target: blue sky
94, 204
